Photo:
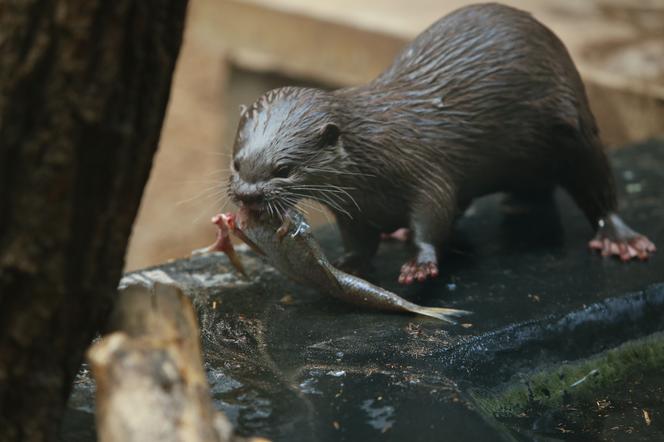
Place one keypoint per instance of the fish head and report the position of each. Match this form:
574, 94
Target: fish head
270, 235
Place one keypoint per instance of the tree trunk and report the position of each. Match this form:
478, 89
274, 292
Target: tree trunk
151, 386
83, 90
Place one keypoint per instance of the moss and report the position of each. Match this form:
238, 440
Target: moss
578, 381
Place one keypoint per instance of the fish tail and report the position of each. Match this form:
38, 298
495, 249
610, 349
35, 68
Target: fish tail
442, 313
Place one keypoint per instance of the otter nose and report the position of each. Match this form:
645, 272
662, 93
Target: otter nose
249, 196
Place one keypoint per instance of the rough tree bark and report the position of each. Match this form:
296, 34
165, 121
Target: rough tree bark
83, 90
151, 386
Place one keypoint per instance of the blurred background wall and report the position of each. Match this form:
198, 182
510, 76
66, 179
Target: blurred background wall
234, 50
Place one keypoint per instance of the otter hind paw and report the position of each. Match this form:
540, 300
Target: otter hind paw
615, 238
402, 235
417, 271
626, 249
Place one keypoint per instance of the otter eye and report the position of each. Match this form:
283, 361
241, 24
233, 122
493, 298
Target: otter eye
236, 165
282, 171
330, 134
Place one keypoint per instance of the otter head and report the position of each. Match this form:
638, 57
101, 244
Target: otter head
287, 147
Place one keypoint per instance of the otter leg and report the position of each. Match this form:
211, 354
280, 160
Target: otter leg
589, 181
360, 242
430, 225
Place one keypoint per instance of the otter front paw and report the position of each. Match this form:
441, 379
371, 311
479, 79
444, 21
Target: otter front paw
225, 222
418, 271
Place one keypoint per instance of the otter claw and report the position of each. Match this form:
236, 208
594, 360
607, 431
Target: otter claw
635, 247
283, 231
286, 227
615, 238
413, 271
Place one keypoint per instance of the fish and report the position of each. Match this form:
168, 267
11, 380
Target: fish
287, 243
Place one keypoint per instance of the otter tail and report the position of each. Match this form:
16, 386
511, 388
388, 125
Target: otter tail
442, 313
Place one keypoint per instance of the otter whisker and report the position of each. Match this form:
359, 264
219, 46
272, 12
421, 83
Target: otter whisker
337, 172
207, 210
203, 181
326, 200
329, 195
210, 192
270, 209
216, 153
333, 190
319, 207
325, 195
281, 203
216, 172
322, 186
290, 202
304, 204
345, 192
339, 195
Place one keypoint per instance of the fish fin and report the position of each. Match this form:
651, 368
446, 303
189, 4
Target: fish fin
236, 261
442, 313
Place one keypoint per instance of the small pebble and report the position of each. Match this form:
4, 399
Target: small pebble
646, 417
287, 300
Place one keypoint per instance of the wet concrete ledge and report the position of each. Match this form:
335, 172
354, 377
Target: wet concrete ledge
294, 365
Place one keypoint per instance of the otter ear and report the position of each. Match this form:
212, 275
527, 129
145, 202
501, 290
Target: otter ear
329, 134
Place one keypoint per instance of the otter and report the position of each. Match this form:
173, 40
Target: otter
486, 100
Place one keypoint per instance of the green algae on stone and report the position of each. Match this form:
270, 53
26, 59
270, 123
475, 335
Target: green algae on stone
578, 380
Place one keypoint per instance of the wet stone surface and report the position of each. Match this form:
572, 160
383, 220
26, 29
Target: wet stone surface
291, 364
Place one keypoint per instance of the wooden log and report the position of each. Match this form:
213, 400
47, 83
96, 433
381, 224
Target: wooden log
150, 382
84, 86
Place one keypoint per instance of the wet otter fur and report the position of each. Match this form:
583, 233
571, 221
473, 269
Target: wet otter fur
485, 100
